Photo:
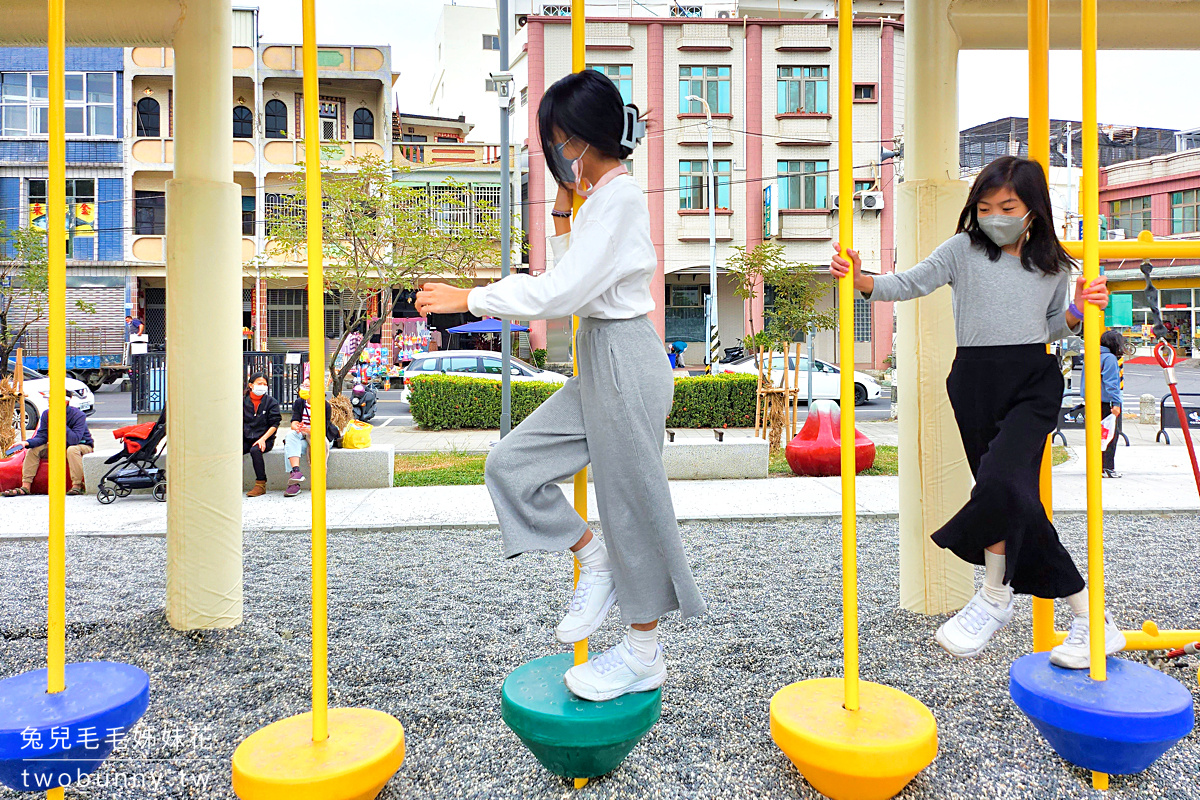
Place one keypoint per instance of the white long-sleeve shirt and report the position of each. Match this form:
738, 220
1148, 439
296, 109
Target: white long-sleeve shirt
602, 268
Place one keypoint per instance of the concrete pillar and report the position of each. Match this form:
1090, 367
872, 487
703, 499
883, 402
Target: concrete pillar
935, 480
655, 150
204, 463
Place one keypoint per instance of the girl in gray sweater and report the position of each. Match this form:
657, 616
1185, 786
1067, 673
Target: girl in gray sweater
1011, 281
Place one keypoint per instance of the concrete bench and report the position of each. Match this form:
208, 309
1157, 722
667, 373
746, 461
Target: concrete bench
708, 459
370, 468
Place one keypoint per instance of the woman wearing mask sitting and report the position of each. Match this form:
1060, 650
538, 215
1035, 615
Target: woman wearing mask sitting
260, 421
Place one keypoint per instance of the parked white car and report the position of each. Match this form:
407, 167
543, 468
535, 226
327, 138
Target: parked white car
37, 397
826, 378
472, 364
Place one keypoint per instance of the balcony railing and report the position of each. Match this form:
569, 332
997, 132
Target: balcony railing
462, 154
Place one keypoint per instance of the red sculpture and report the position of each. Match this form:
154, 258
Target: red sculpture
817, 449
10, 474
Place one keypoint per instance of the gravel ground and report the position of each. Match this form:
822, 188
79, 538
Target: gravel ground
425, 625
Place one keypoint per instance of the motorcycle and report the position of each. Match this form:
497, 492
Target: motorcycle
362, 401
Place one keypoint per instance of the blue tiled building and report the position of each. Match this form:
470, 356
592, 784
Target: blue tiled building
96, 119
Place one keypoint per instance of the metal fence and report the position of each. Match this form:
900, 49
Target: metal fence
1168, 415
148, 377
1071, 416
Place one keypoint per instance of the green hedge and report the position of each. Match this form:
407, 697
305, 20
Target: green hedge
443, 402
714, 401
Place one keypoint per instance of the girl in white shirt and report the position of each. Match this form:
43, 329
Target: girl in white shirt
611, 415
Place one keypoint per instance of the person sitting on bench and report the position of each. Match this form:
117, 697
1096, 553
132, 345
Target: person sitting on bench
79, 444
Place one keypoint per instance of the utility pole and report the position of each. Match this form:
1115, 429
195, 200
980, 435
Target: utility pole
504, 83
712, 340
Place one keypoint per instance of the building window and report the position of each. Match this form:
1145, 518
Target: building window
248, 215
678, 10
864, 92
147, 117
711, 83
802, 90
81, 208
619, 74
287, 313
276, 122
556, 11
804, 184
684, 296
364, 124
1184, 211
90, 106
525, 96
864, 186
448, 139
693, 183
862, 320
491, 42
243, 122
1131, 215
280, 206
149, 213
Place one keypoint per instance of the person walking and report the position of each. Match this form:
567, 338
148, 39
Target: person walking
79, 443
1112, 379
1010, 277
612, 414
260, 421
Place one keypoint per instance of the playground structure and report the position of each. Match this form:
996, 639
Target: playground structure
360, 749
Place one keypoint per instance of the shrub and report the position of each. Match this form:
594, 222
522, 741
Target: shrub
442, 402
714, 401
539, 358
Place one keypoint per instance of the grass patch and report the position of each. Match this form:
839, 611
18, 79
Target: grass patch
887, 461
440, 469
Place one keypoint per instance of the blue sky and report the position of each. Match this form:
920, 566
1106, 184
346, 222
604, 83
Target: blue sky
1138, 88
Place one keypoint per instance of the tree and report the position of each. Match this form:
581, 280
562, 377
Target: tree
797, 289
24, 282
380, 235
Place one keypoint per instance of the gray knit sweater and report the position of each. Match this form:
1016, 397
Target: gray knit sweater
995, 302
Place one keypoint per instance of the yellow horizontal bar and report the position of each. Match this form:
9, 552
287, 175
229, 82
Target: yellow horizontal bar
1140, 640
1132, 248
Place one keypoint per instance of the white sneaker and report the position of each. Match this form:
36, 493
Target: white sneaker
615, 672
968, 632
594, 596
1075, 653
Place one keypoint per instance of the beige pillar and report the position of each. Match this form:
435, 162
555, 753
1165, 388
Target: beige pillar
934, 478
204, 465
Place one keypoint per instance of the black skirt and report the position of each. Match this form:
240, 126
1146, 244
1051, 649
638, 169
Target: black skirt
1006, 401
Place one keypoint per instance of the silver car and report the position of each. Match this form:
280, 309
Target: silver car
472, 364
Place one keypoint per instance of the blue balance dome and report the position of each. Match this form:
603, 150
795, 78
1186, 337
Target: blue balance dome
571, 737
51, 740
1119, 726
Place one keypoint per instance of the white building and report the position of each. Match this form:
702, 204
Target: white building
466, 48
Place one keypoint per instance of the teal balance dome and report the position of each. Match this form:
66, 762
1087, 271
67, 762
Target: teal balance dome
571, 737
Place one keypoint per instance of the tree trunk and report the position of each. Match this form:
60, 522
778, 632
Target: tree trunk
339, 376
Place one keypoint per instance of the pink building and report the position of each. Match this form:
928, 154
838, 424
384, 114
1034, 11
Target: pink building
772, 85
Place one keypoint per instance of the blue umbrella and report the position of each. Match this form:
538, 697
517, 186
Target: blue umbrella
485, 326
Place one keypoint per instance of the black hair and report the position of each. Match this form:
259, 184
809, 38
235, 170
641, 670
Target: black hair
253, 378
587, 106
1114, 341
1042, 250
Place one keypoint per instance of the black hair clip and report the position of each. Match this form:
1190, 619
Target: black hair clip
633, 128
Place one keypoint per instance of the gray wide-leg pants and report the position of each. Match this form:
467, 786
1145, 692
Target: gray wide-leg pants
612, 415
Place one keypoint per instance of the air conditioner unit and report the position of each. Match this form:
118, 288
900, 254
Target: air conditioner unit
1116, 234
872, 201
724, 15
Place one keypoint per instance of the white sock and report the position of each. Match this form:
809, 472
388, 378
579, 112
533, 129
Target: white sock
644, 644
593, 555
1079, 602
994, 587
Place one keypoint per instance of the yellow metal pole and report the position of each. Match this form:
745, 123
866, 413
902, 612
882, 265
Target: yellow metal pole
578, 64
56, 229
1038, 36
846, 350
56, 244
316, 362
1091, 357
1140, 248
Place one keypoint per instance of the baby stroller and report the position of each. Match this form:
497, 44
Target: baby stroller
136, 466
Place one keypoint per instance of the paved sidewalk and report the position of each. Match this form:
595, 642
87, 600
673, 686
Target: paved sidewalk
1157, 478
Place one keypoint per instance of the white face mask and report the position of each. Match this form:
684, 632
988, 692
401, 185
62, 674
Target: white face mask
258, 391
1004, 229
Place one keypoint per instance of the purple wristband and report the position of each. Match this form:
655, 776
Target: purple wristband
1074, 309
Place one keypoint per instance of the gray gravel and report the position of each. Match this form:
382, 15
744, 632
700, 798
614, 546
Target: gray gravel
425, 625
